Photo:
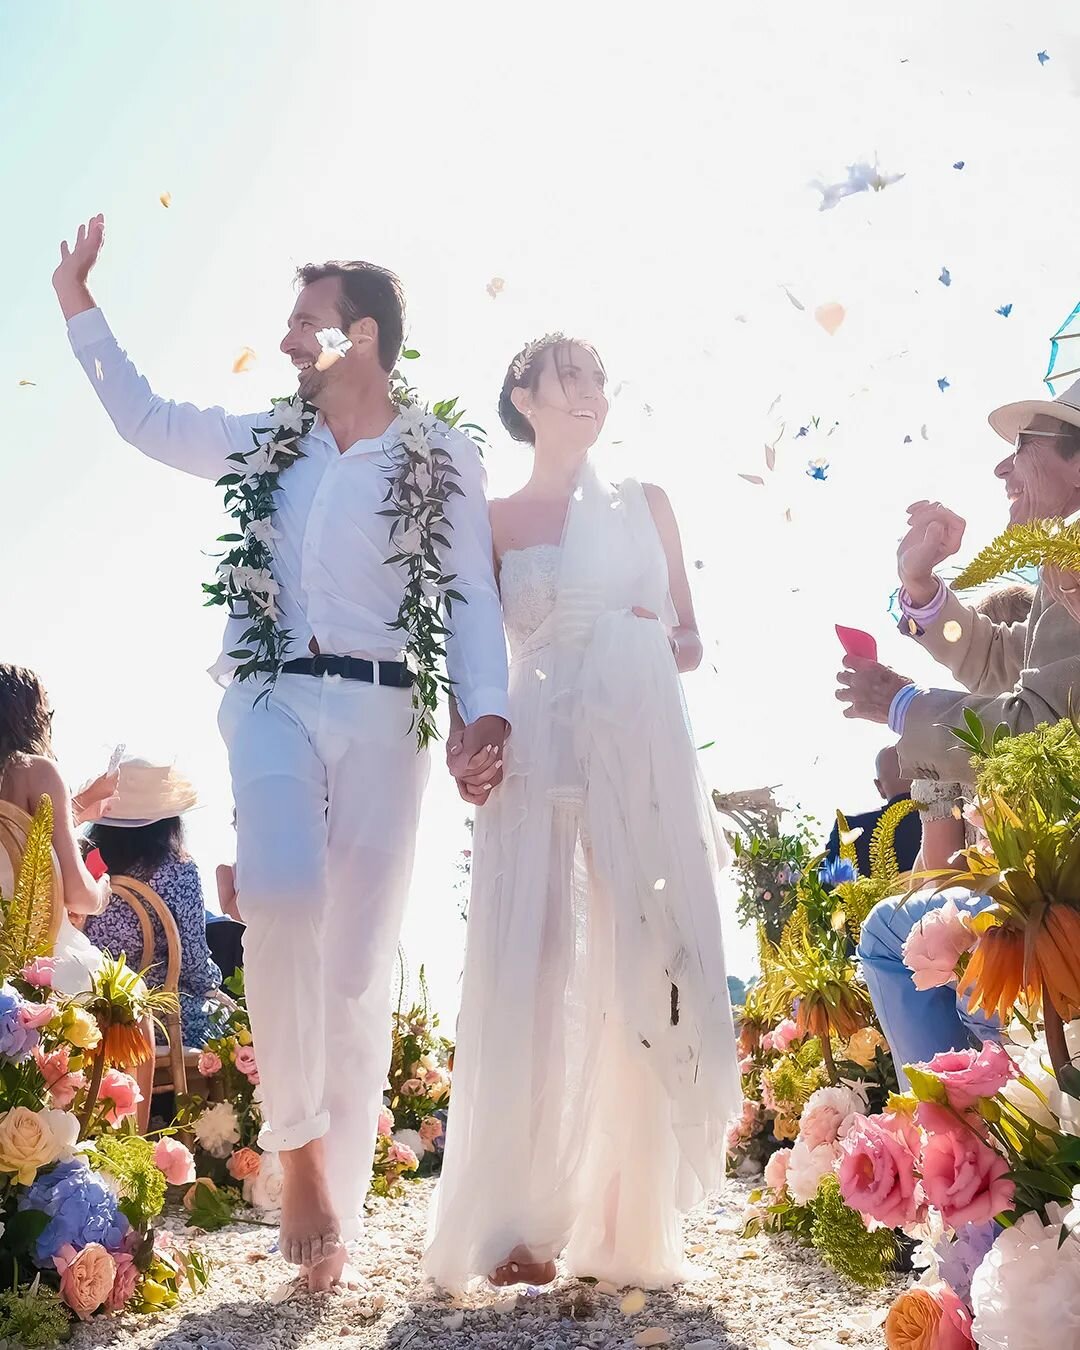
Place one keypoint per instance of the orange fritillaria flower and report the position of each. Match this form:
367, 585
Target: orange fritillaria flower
126, 1045
1057, 956
995, 977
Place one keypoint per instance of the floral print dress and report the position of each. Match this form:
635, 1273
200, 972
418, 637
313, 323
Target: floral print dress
117, 930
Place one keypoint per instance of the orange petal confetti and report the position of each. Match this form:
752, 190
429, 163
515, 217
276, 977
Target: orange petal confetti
24, 384
952, 632
244, 361
165, 199
495, 287
830, 316
633, 1303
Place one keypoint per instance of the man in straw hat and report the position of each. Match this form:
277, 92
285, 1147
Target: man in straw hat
326, 775
1019, 674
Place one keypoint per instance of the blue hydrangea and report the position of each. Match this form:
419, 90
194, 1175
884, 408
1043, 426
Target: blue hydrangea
16, 1040
440, 1143
960, 1259
835, 871
80, 1207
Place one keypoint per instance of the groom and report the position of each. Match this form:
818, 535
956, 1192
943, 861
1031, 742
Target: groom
326, 775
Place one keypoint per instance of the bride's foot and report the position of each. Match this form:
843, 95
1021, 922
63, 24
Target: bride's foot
521, 1268
322, 1276
310, 1233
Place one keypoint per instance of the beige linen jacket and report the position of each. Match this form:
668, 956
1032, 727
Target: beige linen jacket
1020, 674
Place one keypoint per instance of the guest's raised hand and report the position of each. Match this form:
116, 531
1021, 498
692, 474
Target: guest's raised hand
76, 263
934, 534
868, 688
90, 802
1064, 587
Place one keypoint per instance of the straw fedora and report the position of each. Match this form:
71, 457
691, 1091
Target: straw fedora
1014, 417
147, 793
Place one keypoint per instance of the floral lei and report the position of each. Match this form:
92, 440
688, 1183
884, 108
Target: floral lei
422, 481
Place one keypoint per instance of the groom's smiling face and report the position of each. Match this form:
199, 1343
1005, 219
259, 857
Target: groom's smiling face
318, 307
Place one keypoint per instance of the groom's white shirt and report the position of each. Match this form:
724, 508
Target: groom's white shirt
332, 543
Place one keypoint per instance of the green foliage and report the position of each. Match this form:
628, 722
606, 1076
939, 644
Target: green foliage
24, 929
418, 1053
1036, 544
769, 866
33, 1316
796, 1076
212, 1207
130, 1159
841, 1237
1036, 767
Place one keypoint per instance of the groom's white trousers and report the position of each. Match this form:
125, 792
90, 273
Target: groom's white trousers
327, 783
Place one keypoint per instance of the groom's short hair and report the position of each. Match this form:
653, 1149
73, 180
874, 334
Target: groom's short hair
367, 292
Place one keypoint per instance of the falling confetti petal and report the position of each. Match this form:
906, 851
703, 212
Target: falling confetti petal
754, 478
495, 287
830, 316
653, 1336
648, 409
818, 469
787, 515
959, 164
802, 431
952, 632
775, 403
924, 433
658, 885
741, 318
23, 384
1043, 58
946, 277
244, 361
633, 1303
794, 300
165, 199
1004, 310
97, 369
698, 564
907, 440
579, 494
540, 674
943, 384
851, 836
770, 457
861, 177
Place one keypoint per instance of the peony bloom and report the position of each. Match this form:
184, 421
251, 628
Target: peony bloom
173, 1159
80, 1029
34, 1016
61, 1084
262, 1190
936, 943
217, 1129
31, 1140
209, 1064
776, 1170
828, 1114
245, 1162
913, 1321
402, 1154
806, 1168
970, 1075
430, 1129
1026, 1293
877, 1169
862, 1048
40, 972
386, 1123
962, 1175
122, 1091
86, 1277
412, 1087
785, 1034
412, 1140
746, 1064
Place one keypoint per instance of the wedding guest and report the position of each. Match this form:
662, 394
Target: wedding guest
1018, 674
225, 931
893, 788
142, 836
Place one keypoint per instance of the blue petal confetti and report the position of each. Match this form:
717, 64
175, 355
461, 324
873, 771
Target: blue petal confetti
1043, 58
943, 384
802, 431
818, 469
959, 164
1004, 310
946, 277
907, 440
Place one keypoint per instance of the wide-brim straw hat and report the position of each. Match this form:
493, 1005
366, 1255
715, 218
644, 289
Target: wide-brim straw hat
148, 793
1014, 417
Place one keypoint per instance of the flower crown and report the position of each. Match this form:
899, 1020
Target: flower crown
531, 350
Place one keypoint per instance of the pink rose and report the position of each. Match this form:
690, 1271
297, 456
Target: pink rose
430, 1130
412, 1087
765, 1046
174, 1161
746, 1064
935, 944
776, 1170
969, 1075
954, 1329
877, 1169
828, 1114
243, 1163
402, 1153
962, 1176
785, 1035
62, 1085
209, 1064
244, 1059
386, 1122
86, 1277
34, 1016
127, 1277
122, 1091
40, 972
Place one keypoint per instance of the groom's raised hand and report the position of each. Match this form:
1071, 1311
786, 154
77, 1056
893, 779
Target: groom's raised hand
76, 263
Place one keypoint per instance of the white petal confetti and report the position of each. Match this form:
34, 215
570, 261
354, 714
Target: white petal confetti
952, 632
633, 1303
245, 359
495, 287
97, 369
659, 883
165, 199
850, 836
794, 299
540, 674
606, 1287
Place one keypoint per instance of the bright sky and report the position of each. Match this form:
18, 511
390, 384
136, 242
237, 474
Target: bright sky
637, 176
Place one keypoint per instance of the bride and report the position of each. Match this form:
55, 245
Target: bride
596, 1069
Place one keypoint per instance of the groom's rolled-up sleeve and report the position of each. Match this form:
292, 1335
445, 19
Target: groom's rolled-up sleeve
476, 647
198, 441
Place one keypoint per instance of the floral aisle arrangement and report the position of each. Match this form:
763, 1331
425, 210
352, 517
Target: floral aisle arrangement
80, 1189
769, 864
417, 1090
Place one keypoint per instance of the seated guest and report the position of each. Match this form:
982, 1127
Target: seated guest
141, 835
892, 788
1019, 675
225, 931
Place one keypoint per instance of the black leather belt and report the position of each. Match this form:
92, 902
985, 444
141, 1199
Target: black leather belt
393, 673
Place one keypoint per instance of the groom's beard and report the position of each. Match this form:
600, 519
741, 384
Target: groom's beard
312, 388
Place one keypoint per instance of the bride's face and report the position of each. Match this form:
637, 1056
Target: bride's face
568, 407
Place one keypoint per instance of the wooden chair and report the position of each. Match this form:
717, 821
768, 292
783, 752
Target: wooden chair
14, 830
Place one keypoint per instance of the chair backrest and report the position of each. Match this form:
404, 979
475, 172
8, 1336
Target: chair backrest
14, 830
144, 901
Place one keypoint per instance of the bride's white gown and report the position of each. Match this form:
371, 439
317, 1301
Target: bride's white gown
596, 1068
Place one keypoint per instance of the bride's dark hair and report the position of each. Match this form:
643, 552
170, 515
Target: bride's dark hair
524, 372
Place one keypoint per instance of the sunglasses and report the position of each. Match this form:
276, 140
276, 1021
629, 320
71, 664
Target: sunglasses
1026, 439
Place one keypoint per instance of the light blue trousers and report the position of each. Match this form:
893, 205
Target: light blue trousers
917, 1023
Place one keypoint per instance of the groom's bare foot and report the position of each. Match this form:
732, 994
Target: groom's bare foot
326, 1273
521, 1268
310, 1233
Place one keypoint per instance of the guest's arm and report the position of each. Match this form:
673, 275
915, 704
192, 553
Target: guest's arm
685, 638
82, 894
